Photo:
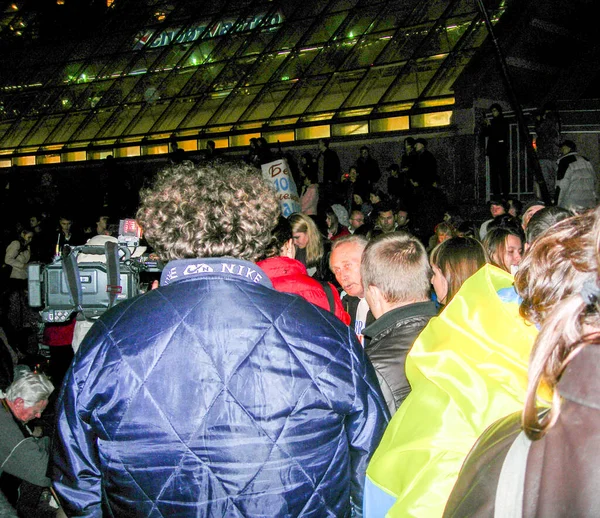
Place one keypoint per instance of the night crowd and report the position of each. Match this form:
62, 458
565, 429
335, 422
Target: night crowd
374, 353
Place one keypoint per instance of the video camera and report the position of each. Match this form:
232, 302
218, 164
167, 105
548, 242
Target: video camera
91, 278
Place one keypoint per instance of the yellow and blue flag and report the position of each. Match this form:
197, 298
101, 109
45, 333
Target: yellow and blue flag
467, 369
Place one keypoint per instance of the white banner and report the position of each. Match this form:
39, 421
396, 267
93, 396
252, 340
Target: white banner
278, 174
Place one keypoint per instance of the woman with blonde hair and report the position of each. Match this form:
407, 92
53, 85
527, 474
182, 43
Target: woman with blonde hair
552, 450
453, 261
308, 240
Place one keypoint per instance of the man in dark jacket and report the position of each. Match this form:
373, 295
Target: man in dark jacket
328, 176
215, 395
424, 170
396, 280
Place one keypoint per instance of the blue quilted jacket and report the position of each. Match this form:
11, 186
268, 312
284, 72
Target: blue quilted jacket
215, 395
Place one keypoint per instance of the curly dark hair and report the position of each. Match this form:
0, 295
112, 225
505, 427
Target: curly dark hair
216, 209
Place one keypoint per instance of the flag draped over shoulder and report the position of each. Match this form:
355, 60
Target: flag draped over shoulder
467, 369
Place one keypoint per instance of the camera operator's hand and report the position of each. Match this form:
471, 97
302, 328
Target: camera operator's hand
154, 285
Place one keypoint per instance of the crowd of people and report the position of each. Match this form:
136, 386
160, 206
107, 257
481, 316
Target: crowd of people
346, 360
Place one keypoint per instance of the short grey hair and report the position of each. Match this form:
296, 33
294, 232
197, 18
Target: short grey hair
31, 387
352, 239
398, 265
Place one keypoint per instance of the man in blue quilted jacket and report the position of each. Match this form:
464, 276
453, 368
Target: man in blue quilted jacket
215, 395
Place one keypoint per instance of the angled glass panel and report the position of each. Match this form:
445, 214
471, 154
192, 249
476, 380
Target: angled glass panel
444, 80
362, 21
307, 9
89, 130
93, 95
444, 37
467, 8
22, 104
172, 117
17, 132
230, 75
259, 42
4, 127
201, 80
65, 128
397, 13
235, 105
115, 67
457, 28
404, 44
176, 82
372, 87
171, 57
326, 28
80, 96
140, 122
291, 33
434, 9
341, 5
41, 131
266, 103
145, 88
204, 52
298, 64
121, 119
157, 86
267, 68
300, 97
226, 47
411, 83
200, 114
366, 50
328, 60
335, 92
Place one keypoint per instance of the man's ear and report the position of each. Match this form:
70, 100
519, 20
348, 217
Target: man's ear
19, 403
375, 299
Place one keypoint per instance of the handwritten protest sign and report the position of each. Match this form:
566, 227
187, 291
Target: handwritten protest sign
278, 174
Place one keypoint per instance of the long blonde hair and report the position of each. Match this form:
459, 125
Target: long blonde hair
558, 281
314, 248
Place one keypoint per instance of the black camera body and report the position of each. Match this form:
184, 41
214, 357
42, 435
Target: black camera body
49, 288
91, 278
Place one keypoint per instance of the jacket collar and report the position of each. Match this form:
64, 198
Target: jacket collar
213, 267
391, 318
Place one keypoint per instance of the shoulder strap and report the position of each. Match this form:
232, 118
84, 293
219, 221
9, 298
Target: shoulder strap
72, 273
113, 286
511, 484
329, 293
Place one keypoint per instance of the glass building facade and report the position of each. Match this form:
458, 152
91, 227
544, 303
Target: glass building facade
83, 80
